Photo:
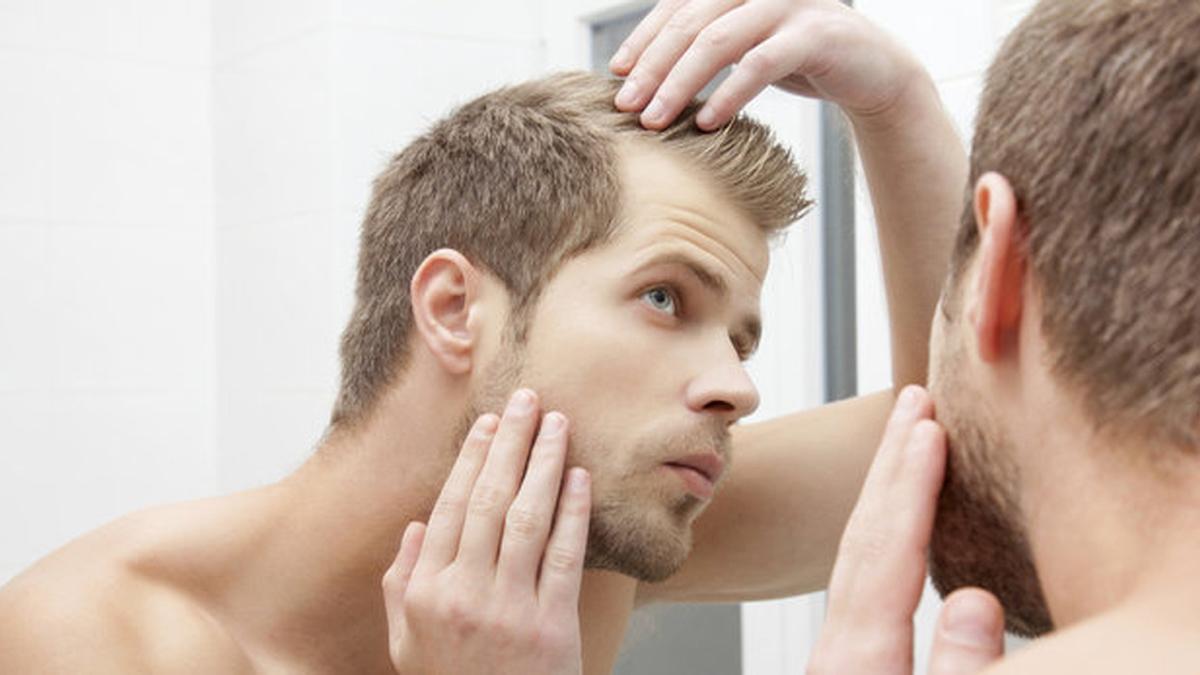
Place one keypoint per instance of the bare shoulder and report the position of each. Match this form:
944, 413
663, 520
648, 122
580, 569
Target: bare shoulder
83, 609
1114, 644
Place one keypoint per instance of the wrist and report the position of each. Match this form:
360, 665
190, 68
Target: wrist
916, 101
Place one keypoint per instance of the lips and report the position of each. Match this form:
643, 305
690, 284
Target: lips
708, 464
699, 473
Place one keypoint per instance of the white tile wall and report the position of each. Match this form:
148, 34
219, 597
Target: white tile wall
129, 308
275, 132
129, 144
509, 21
24, 136
951, 37
283, 294
25, 298
106, 267
240, 27
75, 460
168, 32
265, 434
385, 100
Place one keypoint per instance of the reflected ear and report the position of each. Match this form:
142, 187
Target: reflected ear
445, 291
995, 309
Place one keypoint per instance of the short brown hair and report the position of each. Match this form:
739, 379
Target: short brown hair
519, 180
1092, 112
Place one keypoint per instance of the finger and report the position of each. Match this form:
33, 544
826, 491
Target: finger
666, 48
633, 46
446, 520
395, 581
718, 44
562, 565
498, 482
880, 568
775, 58
528, 522
969, 635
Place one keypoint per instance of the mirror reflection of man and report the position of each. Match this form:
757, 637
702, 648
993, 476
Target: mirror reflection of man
1065, 369
539, 237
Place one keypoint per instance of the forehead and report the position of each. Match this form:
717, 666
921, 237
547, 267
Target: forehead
671, 207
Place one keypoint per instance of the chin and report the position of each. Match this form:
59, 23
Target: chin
648, 543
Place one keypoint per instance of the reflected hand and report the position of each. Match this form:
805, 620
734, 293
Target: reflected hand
817, 48
880, 568
492, 584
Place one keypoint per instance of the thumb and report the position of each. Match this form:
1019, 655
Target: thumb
395, 581
970, 633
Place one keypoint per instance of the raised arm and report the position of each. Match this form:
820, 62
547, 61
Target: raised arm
774, 527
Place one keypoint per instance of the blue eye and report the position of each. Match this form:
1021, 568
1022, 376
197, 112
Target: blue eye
661, 298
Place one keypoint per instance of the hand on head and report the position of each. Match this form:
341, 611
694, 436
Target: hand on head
817, 48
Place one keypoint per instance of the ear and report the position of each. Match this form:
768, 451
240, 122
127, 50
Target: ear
995, 309
445, 292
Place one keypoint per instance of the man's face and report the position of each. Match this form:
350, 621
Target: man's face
979, 537
640, 342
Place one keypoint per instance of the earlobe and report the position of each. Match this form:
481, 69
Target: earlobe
443, 291
996, 314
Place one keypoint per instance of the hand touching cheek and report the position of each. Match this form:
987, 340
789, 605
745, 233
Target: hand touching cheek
491, 585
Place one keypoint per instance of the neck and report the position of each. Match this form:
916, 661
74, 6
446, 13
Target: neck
1113, 524
324, 536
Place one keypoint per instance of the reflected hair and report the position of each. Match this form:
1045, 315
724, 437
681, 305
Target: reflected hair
519, 180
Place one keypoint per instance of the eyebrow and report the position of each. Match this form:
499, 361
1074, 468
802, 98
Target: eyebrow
747, 337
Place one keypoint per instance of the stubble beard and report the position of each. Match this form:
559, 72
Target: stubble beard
644, 538
979, 537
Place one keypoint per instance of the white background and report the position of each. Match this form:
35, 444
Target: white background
180, 188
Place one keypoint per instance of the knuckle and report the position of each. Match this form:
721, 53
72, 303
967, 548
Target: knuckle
446, 505
487, 500
390, 580
716, 38
505, 627
561, 559
760, 61
461, 616
524, 523
419, 600
682, 19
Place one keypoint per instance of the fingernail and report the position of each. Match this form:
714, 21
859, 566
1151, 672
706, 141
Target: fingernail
486, 426
522, 401
552, 423
627, 96
705, 118
654, 111
909, 396
970, 621
577, 479
618, 60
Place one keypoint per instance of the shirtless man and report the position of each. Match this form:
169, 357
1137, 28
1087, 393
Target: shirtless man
1066, 357
635, 332
1066, 375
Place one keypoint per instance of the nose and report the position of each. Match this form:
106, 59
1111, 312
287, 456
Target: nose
724, 390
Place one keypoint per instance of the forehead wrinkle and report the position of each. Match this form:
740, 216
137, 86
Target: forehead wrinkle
700, 224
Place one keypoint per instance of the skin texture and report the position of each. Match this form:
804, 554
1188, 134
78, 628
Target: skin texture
286, 578
1138, 518
501, 575
1116, 569
880, 569
749, 544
